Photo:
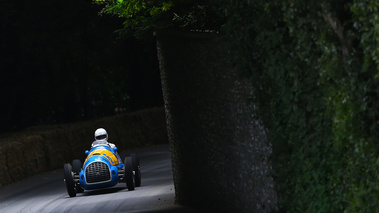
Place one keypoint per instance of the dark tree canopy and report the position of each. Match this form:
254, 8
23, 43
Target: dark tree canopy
62, 62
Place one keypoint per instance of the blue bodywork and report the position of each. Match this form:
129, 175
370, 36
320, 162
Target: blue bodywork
102, 154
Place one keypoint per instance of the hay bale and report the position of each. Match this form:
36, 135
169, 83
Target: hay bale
43, 148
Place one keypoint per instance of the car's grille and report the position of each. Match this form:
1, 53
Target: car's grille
97, 172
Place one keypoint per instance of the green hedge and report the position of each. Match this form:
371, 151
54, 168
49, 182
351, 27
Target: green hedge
314, 65
43, 148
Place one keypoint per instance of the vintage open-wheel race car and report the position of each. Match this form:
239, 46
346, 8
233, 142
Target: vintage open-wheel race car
102, 168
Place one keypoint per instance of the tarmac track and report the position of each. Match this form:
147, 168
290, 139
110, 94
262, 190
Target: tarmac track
47, 192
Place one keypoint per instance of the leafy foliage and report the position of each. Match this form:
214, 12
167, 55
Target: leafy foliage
142, 18
315, 69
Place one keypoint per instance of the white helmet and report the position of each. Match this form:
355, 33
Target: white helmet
101, 134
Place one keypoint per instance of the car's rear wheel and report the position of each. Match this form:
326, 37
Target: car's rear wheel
69, 179
76, 168
129, 175
137, 169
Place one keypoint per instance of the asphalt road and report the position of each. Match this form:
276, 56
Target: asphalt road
47, 192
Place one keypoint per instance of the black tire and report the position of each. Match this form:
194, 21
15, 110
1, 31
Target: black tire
69, 179
137, 169
76, 168
129, 176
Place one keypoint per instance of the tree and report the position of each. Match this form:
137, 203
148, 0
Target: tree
56, 57
315, 73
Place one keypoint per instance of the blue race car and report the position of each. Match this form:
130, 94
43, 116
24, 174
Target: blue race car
102, 168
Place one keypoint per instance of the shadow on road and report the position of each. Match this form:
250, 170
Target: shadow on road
178, 209
102, 191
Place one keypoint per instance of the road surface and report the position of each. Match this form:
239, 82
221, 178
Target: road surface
47, 192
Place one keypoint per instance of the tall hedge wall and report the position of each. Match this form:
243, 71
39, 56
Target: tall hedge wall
314, 65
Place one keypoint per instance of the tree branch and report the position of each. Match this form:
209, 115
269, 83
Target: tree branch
338, 29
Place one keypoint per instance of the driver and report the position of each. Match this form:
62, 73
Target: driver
101, 138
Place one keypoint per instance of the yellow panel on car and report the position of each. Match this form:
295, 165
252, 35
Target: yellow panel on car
106, 153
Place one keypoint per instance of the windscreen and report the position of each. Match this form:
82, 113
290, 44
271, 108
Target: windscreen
99, 142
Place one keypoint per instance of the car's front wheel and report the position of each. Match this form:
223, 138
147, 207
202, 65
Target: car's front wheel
69, 179
129, 175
